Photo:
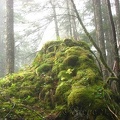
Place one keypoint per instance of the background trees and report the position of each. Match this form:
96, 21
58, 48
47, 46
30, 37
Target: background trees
34, 19
33, 22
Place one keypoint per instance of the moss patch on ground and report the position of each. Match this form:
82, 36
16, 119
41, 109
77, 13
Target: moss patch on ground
63, 83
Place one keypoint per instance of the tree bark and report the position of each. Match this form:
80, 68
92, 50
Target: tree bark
117, 6
108, 34
116, 58
99, 31
9, 37
99, 27
69, 18
95, 22
2, 38
74, 28
55, 19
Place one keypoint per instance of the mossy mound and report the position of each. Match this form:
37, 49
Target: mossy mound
63, 83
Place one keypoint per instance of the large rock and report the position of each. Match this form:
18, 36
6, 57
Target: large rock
63, 83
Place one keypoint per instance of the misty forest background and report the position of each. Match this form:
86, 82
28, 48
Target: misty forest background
62, 81
26, 24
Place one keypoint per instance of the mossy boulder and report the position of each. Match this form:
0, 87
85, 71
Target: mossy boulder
63, 83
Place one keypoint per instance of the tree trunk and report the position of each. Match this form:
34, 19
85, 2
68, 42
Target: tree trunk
99, 31
74, 28
108, 34
9, 37
95, 22
99, 27
116, 58
55, 19
118, 18
2, 38
69, 18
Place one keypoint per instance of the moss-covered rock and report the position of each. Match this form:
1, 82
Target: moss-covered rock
63, 83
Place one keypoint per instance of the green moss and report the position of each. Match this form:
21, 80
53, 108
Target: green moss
71, 61
24, 93
69, 42
62, 79
61, 110
43, 68
101, 117
62, 92
82, 97
88, 98
83, 45
64, 75
51, 54
47, 87
48, 79
51, 46
76, 50
29, 100
37, 59
87, 77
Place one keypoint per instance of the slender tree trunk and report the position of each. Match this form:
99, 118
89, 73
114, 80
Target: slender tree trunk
74, 28
10, 38
99, 27
117, 6
116, 59
99, 31
55, 20
96, 40
73, 22
108, 34
2, 38
69, 17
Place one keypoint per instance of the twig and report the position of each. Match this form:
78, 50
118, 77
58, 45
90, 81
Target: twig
10, 110
112, 112
32, 110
